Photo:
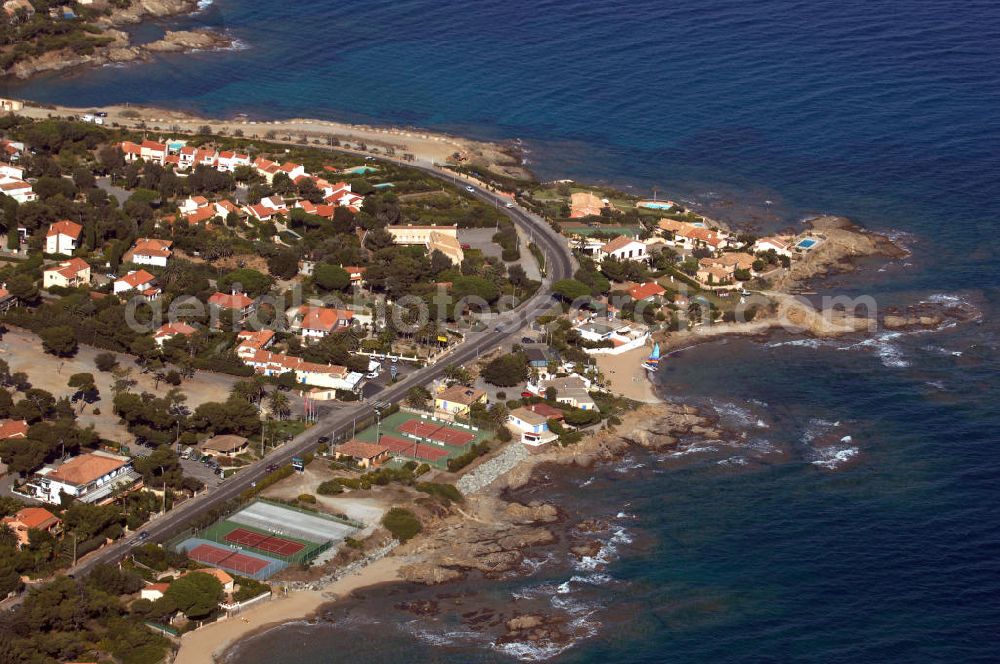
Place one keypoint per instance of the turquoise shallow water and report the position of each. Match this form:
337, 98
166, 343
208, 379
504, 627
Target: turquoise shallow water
856, 519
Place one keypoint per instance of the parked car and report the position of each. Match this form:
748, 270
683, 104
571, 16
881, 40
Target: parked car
527, 340
509, 205
323, 440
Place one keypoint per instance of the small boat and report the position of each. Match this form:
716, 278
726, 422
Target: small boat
652, 362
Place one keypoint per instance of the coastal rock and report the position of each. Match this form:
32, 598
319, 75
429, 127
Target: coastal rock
533, 513
189, 40
898, 321
140, 9
593, 526
428, 574
588, 550
528, 621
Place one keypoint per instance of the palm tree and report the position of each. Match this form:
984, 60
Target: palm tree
279, 404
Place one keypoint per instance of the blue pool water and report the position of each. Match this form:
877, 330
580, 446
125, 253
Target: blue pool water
807, 243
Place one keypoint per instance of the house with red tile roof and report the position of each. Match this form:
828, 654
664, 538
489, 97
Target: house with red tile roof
90, 478
624, 249
201, 215
13, 429
365, 454
646, 291
139, 281
149, 251
67, 274
19, 190
239, 304
63, 237
318, 322
321, 210
168, 331
31, 518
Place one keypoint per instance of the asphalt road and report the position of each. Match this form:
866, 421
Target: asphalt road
559, 265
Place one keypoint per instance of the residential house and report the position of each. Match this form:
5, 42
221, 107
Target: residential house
225, 445
7, 300
266, 168
153, 591
738, 260
646, 291
433, 238
189, 205
31, 518
223, 577
533, 427
63, 237
226, 207
713, 273
457, 400
149, 251
317, 322
168, 331
201, 215
697, 236
21, 10
67, 274
356, 273
331, 376
139, 281
250, 341
780, 245
624, 249
229, 161
365, 454
147, 151
13, 429
586, 204
90, 478
570, 390
241, 306
19, 190
321, 210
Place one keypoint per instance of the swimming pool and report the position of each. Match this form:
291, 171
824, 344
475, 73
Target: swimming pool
807, 243
361, 170
655, 205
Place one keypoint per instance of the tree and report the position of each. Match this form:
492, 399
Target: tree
252, 282
279, 404
22, 287
196, 595
418, 396
283, 264
331, 277
59, 340
84, 384
507, 370
105, 361
570, 289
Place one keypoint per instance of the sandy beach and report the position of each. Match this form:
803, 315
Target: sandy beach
625, 375
203, 646
426, 147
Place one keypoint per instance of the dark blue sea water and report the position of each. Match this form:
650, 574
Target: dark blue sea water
858, 519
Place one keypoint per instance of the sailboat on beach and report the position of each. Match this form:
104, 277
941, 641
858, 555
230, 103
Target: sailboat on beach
652, 362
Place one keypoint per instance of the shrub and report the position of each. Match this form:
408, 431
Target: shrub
446, 493
402, 523
330, 488
307, 498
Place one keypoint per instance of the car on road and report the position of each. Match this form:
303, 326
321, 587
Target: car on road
271, 467
323, 440
509, 205
527, 340
143, 536
470, 188
526, 395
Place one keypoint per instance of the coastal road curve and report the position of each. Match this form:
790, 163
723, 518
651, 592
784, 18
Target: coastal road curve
559, 265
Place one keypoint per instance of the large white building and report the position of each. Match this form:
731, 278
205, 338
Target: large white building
90, 478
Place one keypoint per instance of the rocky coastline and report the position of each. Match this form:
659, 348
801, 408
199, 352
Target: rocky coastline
119, 49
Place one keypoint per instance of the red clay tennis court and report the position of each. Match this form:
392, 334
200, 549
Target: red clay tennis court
269, 543
216, 555
412, 448
437, 432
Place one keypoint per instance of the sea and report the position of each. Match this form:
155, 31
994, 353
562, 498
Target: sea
853, 515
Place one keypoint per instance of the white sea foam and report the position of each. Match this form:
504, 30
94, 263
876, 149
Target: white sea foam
733, 461
887, 351
831, 457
